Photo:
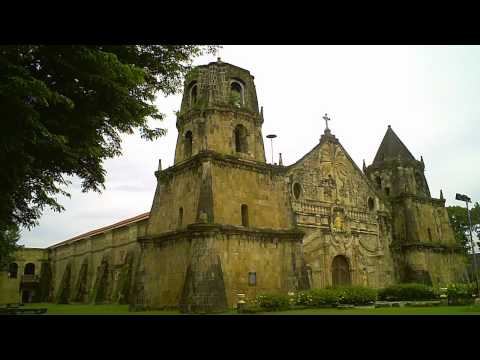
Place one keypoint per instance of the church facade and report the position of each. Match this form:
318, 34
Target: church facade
224, 222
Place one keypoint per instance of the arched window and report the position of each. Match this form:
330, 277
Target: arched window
429, 234
244, 215
297, 190
340, 271
236, 94
387, 191
378, 180
188, 144
29, 269
193, 93
180, 217
13, 270
240, 137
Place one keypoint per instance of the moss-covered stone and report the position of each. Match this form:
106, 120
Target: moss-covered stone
64, 291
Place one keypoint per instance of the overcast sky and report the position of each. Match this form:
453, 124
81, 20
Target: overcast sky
430, 95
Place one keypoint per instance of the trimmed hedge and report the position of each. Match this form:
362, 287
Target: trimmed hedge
407, 292
272, 302
357, 295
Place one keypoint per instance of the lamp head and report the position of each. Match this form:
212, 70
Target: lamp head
462, 197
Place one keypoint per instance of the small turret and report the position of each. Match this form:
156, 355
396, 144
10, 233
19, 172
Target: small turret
394, 169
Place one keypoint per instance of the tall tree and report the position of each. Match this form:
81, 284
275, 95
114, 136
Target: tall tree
63, 109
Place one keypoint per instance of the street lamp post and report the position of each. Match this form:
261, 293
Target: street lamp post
271, 137
465, 198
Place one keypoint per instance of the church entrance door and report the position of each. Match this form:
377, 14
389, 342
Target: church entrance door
340, 271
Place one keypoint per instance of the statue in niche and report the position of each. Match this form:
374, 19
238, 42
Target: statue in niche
338, 223
364, 277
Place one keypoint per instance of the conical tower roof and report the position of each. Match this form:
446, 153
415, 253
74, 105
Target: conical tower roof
392, 148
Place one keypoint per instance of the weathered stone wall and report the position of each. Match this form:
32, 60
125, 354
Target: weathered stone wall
440, 267
213, 129
276, 262
164, 265
206, 267
415, 216
10, 287
177, 188
259, 187
86, 257
399, 176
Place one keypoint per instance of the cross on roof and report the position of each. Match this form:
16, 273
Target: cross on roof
326, 118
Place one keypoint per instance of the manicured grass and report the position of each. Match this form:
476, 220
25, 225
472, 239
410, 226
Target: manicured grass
435, 310
81, 309
87, 309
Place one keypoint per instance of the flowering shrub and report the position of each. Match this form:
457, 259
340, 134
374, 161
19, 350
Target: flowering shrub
272, 302
460, 294
405, 292
317, 297
355, 295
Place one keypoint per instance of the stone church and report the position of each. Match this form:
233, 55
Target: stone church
224, 222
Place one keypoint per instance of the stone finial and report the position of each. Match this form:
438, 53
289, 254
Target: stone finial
159, 164
441, 195
364, 166
421, 159
219, 59
280, 161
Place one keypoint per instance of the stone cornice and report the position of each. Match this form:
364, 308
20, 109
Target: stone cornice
192, 113
422, 199
203, 230
229, 160
393, 163
435, 247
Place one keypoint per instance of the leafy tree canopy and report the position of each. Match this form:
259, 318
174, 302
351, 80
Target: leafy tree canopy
63, 109
9, 237
459, 219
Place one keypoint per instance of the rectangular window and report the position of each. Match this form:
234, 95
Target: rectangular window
244, 210
252, 278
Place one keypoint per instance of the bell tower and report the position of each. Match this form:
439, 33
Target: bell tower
421, 230
219, 113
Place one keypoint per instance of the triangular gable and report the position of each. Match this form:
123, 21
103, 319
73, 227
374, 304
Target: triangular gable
328, 138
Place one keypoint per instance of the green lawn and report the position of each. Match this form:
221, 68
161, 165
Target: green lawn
82, 309
54, 309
